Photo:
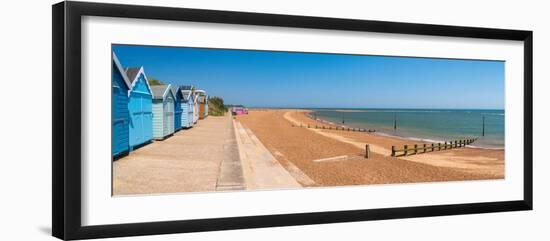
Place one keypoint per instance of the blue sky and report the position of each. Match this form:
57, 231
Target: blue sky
285, 79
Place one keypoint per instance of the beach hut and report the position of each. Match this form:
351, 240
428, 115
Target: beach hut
202, 100
119, 109
195, 107
187, 108
163, 111
140, 108
178, 108
193, 103
206, 106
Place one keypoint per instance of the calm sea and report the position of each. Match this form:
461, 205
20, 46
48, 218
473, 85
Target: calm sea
424, 124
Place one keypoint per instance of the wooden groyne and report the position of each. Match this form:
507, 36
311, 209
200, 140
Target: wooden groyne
336, 128
423, 148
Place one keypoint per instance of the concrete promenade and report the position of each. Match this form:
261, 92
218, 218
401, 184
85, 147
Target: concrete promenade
261, 170
200, 159
217, 154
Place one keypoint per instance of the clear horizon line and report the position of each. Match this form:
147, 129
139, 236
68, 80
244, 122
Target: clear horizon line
400, 108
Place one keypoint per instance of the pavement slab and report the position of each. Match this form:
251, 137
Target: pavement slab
261, 170
192, 160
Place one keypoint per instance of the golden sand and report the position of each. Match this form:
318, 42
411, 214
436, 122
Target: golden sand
296, 147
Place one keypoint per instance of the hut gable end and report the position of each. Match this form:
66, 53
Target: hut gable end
186, 95
119, 109
162, 92
120, 70
138, 78
163, 111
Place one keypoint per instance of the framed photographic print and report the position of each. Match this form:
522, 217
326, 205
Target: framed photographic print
171, 120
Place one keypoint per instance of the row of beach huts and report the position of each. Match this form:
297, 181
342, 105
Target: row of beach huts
142, 112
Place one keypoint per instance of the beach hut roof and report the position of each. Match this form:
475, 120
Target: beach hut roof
133, 74
186, 87
202, 98
161, 91
175, 90
122, 72
196, 97
186, 94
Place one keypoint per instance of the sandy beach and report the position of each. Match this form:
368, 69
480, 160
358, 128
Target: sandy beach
335, 157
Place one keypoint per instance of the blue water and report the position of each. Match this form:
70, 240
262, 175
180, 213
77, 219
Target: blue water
424, 124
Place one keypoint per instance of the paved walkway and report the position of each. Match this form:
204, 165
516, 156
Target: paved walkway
261, 170
203, 158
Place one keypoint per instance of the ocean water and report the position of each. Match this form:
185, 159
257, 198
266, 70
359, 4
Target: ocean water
424, 124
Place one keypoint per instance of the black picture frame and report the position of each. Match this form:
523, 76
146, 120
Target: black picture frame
66, 159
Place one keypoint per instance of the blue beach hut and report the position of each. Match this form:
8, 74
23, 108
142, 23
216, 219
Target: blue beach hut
188, 106
163, 111
178, 110
140, 108
119, 109
196, 107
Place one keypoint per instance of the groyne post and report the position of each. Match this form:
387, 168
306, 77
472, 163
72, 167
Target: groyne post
367, 151
343, 118
483, 126
394, 121
447, 145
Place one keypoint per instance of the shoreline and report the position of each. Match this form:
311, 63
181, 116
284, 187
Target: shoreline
431, 158
336, 157
382, 133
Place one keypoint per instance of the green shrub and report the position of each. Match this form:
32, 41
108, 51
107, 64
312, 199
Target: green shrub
153, 81
216, 107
